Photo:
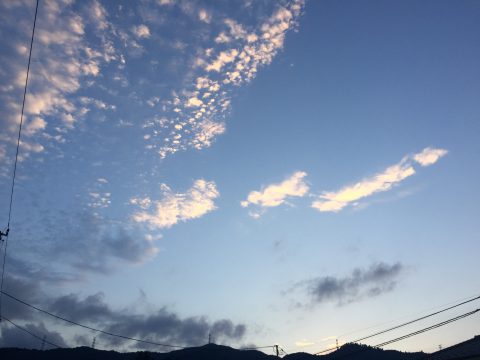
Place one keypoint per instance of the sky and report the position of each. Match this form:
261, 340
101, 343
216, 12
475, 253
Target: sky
270, 172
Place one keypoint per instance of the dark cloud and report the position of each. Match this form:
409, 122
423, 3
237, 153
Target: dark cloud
167, 327
11, 336
91, 308
376, 280
85, 241
162, 326
23, 289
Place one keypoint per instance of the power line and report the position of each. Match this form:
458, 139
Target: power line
258, 347
16, 156
421, 318
428, 328
404, 324
443, 323
89, 327
107, 332
43, 339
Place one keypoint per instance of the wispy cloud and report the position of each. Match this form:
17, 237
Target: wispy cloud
429, 156
335, 201
304, 343
177, 207
276, 194
379, 278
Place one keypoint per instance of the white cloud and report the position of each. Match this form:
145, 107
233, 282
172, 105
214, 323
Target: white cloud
35, 125
204, 16
99, 15
206, 131
194, 102
201, 107
223, 58
176, 207
276, 194
141, 31
429, 156
303, 343
337, 200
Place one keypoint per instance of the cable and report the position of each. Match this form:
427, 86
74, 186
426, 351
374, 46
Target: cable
89, 327
421, 318
404, 324
410, 334
16, 155
32, 334
428, 328
106, 332
258, 347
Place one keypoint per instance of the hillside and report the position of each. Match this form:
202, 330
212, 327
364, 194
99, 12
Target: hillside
206, 352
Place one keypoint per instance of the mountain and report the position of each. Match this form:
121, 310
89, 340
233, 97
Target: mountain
206, 352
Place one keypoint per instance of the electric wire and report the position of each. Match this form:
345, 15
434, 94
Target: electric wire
443, 323
89, 327
258, 347
107, 332
16, 156
403, 324
428, 328
32, 334
413, 321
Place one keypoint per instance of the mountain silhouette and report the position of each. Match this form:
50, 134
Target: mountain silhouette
206, 352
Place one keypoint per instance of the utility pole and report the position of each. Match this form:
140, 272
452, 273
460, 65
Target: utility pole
93, 342
337, 344
209, 338
43, 342
276, 350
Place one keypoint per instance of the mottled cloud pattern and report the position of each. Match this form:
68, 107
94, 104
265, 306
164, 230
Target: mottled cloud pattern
194, 116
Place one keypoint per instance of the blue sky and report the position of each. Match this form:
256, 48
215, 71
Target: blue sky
271, 172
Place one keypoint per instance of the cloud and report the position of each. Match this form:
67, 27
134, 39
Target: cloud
165, 326
205, 102
175, 207
160, 325
303, 343
276, 194
335, 201
86, 241
34, 125
379, 278
63, 61
222, 59
429, 156
14, 337
141, 31
204, 16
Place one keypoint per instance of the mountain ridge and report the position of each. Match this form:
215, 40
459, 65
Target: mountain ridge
206, 352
